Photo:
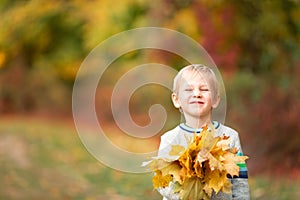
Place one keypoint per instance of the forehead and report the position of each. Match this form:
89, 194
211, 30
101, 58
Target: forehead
193, 78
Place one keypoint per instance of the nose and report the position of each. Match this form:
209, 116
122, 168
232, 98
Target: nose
197, 93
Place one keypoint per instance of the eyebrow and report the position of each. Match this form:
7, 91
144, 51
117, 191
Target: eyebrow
202, 85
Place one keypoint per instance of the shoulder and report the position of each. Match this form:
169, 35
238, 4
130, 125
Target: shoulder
174, 137
233, 135
167, 139
226, 130
171, 133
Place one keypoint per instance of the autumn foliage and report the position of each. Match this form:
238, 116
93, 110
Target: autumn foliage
42, 45
201, 169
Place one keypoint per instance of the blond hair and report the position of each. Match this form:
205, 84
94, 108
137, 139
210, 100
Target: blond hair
201, 70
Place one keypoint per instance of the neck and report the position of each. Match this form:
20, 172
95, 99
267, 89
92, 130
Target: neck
196, 122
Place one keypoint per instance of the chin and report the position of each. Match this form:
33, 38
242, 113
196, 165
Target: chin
198, 113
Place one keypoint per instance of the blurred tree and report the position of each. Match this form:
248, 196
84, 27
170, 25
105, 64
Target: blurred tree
268, 33
42, 46
104, 18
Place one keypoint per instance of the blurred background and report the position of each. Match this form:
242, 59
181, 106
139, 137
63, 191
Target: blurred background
255, 44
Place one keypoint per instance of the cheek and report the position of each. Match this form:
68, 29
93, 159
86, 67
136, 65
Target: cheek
183, 97
208, 97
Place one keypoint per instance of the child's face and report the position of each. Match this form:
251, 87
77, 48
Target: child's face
194, 95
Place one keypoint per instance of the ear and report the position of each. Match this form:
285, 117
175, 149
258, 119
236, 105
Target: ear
175, 100
216, 101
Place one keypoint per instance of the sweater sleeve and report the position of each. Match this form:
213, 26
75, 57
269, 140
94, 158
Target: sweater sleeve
240, 186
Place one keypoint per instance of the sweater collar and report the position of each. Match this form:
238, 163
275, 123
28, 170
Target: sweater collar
189, 129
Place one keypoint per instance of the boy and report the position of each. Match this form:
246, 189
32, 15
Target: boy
195, 94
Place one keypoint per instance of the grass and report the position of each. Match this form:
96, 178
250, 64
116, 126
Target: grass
263, 188
46, 160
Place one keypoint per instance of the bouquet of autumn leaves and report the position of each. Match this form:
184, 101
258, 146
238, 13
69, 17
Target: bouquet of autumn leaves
201, 169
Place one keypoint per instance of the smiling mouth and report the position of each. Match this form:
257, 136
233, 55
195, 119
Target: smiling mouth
197, 102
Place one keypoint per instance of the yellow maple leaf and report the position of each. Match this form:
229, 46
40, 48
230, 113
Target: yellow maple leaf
230, 163
176, 150
224, 143
161, 181
192, 189
203, 155
172, 169
217, 179
199, 171
186, 161
216, 182
208, 140
157, 164
215, 163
